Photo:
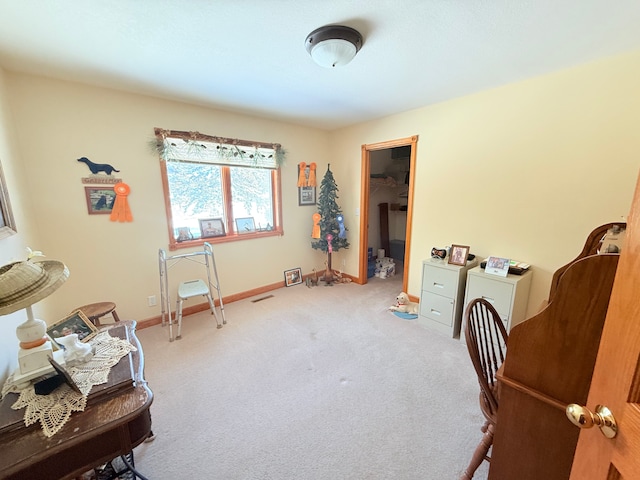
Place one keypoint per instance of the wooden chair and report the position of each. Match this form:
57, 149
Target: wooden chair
486, 339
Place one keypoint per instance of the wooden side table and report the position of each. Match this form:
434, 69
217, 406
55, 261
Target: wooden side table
94, 311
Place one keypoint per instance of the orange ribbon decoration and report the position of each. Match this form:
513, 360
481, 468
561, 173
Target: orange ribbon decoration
121, 211
315, 233
302, 179
312, 175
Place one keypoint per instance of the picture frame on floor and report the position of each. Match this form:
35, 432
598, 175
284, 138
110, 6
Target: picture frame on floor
292, 277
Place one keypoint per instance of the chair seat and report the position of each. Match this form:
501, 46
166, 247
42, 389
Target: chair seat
192, 288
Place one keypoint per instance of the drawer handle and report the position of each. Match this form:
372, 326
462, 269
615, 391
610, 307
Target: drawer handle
436, 312
488, 299
439, 285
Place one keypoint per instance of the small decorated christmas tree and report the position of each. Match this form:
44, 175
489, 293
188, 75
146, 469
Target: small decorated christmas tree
332, 236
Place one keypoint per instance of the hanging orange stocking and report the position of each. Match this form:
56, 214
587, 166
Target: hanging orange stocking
302, 179
120, 211
312, 174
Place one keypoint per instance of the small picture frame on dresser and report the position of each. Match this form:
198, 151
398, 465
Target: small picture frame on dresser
458, 255
497, 266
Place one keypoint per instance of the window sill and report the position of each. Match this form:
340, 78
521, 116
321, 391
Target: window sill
226, 239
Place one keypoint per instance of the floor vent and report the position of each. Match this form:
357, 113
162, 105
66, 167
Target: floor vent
261, 298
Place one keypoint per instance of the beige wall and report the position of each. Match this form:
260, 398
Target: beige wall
58, 122
13, 248
525, 171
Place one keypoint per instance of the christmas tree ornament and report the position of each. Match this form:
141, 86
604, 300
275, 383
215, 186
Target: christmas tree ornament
329, 246
343, 231
315, 233
121, 211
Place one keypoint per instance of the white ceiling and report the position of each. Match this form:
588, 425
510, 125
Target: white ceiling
248, 55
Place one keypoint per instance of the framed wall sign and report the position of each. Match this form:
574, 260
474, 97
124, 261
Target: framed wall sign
306, 196
99, 199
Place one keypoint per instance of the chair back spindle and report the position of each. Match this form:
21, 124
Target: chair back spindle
486, 338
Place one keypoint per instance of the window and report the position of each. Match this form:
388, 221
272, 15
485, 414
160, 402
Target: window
218, 189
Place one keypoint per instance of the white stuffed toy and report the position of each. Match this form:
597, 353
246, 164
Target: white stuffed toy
404, 305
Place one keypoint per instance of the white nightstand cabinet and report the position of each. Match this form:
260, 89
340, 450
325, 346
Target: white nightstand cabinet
509, 295
442, 295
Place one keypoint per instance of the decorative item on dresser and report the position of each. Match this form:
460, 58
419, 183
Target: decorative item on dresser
509, 295
442, 294
116, 420
21, 285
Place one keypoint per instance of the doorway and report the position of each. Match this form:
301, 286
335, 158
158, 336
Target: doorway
402, 184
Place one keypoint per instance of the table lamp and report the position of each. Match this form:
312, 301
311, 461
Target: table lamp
21, 285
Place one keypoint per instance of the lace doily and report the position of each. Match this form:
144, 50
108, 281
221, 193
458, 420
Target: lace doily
54, 410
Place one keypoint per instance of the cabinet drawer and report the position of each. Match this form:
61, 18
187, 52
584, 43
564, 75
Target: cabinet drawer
440, 281
499, 294
437, 308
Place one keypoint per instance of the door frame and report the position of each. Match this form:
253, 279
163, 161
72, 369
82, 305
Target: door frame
364, 203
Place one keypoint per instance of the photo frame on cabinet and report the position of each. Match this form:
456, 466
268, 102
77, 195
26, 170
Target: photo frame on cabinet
458, 255
497, 266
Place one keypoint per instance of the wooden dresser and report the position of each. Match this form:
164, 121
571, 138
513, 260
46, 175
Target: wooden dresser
549, 364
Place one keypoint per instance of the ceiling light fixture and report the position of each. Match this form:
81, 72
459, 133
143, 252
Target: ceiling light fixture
333, 45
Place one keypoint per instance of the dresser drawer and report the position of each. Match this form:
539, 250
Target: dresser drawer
499, 294
437, 308
440, 281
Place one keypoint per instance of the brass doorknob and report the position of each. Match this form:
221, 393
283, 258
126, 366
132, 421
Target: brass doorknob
582, 417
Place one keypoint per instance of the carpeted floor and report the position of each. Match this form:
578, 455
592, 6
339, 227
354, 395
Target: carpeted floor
318, 383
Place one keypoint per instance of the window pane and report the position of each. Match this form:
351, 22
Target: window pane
251, 196
195, 193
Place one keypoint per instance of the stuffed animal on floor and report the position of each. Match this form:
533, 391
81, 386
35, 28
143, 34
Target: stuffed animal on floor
404, 305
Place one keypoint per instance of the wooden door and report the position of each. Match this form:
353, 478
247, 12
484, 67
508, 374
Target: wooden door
616, 378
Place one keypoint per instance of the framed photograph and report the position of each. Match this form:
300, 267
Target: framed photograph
212, 227
183, 234
245, 225
99, 199
497, 266
77, 322
7, 224
306, 195
458, 255
292, 277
